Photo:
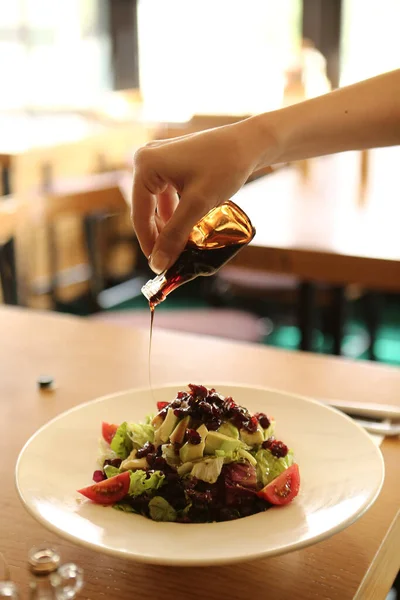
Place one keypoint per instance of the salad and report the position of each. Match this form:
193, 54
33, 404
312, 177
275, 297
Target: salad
201, 458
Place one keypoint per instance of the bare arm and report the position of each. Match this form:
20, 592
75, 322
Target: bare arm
360, 116
207, 168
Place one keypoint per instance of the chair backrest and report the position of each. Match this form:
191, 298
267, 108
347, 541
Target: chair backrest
79, 198
111, 149
11, 219
10, 213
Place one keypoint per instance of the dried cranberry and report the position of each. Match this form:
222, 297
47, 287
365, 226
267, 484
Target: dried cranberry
163, 413
159, 462
176, 404
263, 420
161, 405
279, 449
228, 405
204, 408
99, 476
182, 395
198, 391
251, 425
193, 437
216, 411
151, 457
213, 424
180, 412
147, 448
268, 443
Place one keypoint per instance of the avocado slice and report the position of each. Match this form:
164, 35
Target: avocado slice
252, 439
190, 452
157, 421
168, 426
219, 441
132, 464
249, 457
178, 433
203, 431
229, 430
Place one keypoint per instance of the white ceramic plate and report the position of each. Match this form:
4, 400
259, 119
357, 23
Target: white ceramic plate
341, 472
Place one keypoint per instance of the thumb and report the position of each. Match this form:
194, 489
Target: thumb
175, 234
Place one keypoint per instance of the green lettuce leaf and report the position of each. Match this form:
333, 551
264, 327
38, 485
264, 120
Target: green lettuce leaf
140, 483
209, 469
124, 507
121, 443
161, 510
269, 466
140, 433
111, 471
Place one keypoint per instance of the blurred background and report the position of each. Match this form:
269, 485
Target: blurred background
84, 83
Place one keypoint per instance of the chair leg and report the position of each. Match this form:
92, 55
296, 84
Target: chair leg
372, 305
338, 317
8, 274
306, 308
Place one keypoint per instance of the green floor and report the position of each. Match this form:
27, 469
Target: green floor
356, 340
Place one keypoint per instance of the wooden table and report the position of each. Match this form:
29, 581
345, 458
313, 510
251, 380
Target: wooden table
325, 226
89, 359
332, 224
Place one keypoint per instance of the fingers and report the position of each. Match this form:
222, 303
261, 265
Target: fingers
167, 203
143, 215
174, 236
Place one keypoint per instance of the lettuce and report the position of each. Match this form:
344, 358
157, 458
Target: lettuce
208, 470
140, 433
121, 443
161, 510
111, 471
124, 507
269, 466
140, 482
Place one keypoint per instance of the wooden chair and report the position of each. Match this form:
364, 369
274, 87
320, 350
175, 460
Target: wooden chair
99, 194
10, 214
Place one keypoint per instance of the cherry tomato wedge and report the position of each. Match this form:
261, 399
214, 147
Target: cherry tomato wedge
283, 488
108, 491
161, 405
108, 431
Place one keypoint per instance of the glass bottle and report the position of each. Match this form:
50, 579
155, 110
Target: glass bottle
51, 581
9, 590
216, 238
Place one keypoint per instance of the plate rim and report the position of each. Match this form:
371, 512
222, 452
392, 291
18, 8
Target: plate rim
190, 561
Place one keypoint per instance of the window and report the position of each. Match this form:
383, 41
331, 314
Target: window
52, 52
370, 39
207, 56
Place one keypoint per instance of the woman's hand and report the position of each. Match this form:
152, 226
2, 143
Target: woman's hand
177, 181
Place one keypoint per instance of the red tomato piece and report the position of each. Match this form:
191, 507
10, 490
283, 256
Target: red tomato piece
283, 488
108, 431
108, 491
161, 405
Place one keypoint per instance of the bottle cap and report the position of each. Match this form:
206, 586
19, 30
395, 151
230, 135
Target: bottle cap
43, 561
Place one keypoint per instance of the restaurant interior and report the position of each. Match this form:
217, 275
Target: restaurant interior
86, 83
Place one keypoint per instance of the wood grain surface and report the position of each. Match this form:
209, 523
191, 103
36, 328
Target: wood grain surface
88, 359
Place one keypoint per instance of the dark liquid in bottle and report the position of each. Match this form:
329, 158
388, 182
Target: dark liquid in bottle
213, 242
191, 263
